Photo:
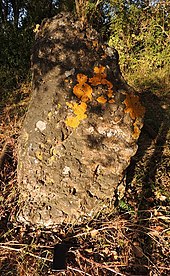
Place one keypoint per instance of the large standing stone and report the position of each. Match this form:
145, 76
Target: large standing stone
80, 130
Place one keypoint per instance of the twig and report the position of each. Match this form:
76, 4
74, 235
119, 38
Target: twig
78, 270
27, 253
11, 248
115, 227
99, 265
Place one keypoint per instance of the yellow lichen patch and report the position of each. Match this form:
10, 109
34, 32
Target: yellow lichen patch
36, 29
101, 99
79, 110
69, 104
133, 106
72, 122
83, 91
49, 116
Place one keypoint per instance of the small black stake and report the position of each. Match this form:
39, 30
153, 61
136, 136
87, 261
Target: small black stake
59, 259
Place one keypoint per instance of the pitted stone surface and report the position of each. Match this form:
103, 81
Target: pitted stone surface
71, 174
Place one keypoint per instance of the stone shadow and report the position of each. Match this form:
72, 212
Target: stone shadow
145, 163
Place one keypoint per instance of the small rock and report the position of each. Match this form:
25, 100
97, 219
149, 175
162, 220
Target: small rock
41, 126
69, 73
66, 170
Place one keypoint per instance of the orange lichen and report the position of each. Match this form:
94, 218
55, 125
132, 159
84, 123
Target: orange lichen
82, 90
85, 98
101, 99
95, 44
108, 83
100, 78
104, 56
78, 91
136, 111
81, 78
96, 80
133, 106
109, 93
111, 101
99, 75
99, 70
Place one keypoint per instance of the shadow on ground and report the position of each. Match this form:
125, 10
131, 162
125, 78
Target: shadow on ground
142, 179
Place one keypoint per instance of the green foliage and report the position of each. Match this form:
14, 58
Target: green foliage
139, 31
17, 21
15, 58
125, 206
141, 34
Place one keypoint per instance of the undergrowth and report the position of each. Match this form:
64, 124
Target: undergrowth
134, 240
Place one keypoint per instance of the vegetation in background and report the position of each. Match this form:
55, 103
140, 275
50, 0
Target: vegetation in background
139, 30
135, 239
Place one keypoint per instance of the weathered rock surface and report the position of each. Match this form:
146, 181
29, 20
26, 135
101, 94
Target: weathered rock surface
80, 130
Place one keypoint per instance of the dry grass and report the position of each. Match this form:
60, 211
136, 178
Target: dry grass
132, 241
